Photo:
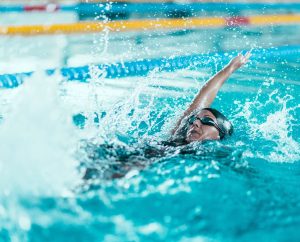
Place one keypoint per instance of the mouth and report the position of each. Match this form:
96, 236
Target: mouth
193, 135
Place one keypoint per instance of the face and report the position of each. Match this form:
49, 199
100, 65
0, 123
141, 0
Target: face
199, 132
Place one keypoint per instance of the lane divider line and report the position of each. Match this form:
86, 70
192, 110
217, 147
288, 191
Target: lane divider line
149, 24
139, 7
143, 67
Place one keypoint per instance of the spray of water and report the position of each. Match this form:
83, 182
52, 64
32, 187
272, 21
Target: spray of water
276, 127
37, 141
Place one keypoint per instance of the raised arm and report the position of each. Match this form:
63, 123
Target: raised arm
209, 91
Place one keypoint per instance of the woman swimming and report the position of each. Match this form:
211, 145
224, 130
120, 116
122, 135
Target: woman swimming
199, 122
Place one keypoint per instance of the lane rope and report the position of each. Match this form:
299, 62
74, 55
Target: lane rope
150, 24
143, 67
116, 7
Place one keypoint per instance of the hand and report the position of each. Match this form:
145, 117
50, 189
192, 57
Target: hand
239, 61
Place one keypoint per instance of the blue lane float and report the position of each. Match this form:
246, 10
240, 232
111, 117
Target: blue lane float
143, 67
117, 7
91, 9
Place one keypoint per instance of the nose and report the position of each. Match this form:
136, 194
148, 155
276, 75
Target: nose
197, 123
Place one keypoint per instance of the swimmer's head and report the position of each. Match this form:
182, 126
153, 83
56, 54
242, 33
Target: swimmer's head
209, 124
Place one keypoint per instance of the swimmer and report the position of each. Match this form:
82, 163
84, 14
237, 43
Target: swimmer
200, 122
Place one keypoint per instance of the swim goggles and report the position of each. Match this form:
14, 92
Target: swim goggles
206, 121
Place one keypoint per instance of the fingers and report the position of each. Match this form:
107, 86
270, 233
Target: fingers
248, 54
241, 58
244, 57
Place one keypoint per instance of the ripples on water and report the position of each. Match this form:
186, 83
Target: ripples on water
243, 189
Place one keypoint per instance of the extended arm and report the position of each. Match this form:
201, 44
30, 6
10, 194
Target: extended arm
209, 91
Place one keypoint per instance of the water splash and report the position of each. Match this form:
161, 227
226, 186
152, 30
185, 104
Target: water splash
37, 141
277, 127
126, 115
274, 127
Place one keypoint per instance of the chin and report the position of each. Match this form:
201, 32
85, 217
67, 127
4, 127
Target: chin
192, 138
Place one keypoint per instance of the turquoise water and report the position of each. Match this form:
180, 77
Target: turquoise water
242, 189
245, 188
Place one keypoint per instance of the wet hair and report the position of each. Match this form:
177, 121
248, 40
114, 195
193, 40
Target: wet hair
224, 124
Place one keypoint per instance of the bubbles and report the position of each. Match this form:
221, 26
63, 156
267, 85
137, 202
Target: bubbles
24, 222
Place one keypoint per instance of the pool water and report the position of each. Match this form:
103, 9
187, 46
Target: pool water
245, 188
